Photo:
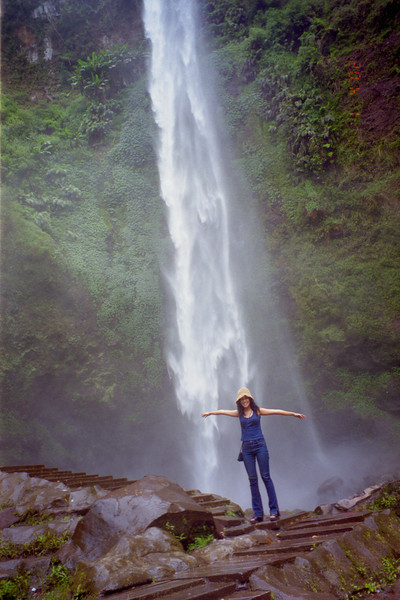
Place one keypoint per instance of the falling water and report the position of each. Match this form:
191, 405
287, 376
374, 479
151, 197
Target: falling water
208, 356
208, 351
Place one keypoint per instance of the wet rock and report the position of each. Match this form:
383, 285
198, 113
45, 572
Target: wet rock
176, 562
359, 500
80, 500
31, 493
26, 534
136, 560
349, 503
270, 579
34, 495
110, 574
153, 501
223, 549
336, 567
37, 567
217, 550
22, 535
8, 518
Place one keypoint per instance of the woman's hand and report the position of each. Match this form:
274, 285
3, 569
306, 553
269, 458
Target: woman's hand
207, 414
299, 416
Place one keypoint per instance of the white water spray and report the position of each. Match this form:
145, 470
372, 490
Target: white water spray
208, 357
208, 354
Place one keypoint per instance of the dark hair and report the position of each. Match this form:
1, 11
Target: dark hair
253, 406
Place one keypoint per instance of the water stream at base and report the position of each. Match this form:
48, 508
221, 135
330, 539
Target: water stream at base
208, 353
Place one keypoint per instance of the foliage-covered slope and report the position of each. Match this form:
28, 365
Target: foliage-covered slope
310, 96
83, 231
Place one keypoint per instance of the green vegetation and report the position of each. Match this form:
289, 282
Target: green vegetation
84, 227
16, 588
31, 517
200, 542
59, 584
374, 583
326, 182
43, 544
389, 498
198, 538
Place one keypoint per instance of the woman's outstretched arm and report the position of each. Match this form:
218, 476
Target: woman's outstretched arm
228, 413
277, 411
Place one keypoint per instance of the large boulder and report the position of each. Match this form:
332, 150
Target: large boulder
153, 501
136, 534
151, 556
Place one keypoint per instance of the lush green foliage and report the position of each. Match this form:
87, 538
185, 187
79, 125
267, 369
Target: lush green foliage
83, 225
82, 299
59, 584
326, 182
16, 588
389, 498
103, 73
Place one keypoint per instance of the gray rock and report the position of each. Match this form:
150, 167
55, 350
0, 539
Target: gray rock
337, 566
153, 501
26, 534
24, 493
36, 565
223, 549
31, 493
136, 560
8, 518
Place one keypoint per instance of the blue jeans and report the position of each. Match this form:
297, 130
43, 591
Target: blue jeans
252, 450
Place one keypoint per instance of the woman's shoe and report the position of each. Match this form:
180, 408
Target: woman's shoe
255, 520
274, 517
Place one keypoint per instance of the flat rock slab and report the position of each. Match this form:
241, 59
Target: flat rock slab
241, 529
250, 595
292, 534
316, 521
194, 589
284, 547
228, 570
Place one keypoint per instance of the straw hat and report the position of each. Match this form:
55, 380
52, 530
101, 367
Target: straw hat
243, 392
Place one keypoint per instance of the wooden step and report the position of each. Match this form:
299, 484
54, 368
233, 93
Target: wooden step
286, 547
231, 569
201, 498
227, 521
69, 478
250, 595
216, 503
352, 517
21, 468
291, 534
177, 590
241, 529
156, 590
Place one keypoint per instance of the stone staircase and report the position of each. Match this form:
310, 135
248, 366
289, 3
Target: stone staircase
228, 579
69, 478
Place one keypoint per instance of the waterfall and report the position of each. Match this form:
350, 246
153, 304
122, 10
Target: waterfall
207, 354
